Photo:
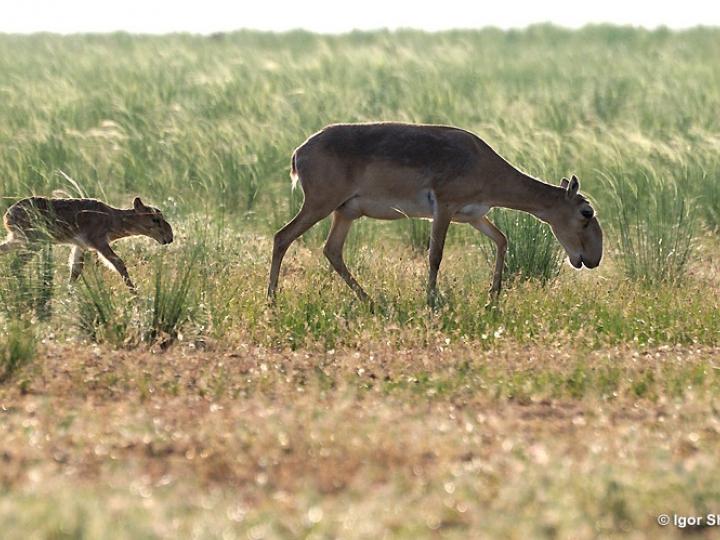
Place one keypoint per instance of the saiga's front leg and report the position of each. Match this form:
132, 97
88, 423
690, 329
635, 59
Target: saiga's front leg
114, 261
485, 226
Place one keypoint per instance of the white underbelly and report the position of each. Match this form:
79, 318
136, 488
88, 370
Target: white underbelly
471, 212
420, 206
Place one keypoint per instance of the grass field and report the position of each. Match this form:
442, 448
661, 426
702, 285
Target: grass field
583, 405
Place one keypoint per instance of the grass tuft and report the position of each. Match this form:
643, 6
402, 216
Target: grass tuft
655, 223
175, 294
104, 315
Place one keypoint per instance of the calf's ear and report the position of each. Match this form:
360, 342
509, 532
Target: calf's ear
138, 204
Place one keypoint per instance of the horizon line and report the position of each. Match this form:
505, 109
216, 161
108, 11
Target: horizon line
383, 29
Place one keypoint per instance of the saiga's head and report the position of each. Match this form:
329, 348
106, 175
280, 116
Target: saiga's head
576, 227
150, 222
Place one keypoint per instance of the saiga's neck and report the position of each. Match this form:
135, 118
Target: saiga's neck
519, 191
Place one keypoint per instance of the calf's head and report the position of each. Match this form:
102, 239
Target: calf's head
150, 222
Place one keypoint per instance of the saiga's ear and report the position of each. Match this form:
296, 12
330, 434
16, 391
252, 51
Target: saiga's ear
564, 183
573, 187
138, 204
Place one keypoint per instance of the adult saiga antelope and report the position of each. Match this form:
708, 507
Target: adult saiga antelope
393, 170
86, 224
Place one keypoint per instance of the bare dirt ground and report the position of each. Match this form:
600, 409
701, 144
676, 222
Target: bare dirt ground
434, 442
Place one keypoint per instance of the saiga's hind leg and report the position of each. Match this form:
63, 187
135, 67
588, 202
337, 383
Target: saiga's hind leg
25, 249
308, 216
334, 252
440, 224
76, 262
11, 243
